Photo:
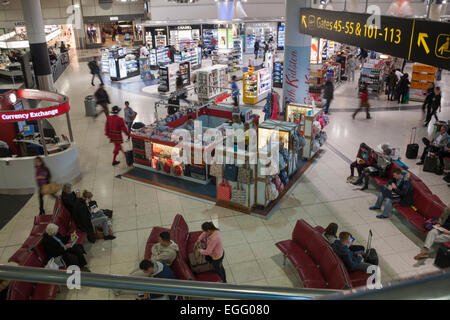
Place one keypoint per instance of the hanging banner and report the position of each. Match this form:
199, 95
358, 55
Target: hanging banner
413, 39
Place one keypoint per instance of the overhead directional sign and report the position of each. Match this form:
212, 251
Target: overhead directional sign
418, 40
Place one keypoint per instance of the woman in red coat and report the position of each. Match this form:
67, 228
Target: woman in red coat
114, 127
364, 159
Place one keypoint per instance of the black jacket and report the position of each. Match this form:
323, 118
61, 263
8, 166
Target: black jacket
348, 257
328, 93
101, 96
436, 102
405, 190
68, 200
51, 247
82, 218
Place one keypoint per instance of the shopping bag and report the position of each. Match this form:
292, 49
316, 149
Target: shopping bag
230, 172
239, 195
224, 191
216, 170
271, 191
245, 174
49, 188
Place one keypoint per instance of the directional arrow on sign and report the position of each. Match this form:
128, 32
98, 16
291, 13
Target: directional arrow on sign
304, 21
421, 40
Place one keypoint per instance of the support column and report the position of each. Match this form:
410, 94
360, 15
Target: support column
32, 14
352, 5
76, 12
296, 55
435, 12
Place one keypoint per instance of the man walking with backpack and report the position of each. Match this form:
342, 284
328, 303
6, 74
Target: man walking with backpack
102, 98
95, 70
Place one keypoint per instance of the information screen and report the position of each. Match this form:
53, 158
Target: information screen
414, 39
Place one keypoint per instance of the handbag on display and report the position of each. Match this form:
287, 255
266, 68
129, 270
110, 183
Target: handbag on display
230, 172
245, 174
49, 188
278, 184
271, 191
178, 170
239, 195
216, 170
224, 191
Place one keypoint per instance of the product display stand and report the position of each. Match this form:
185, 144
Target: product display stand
194, 56
185, 71
316, 82
306, 116
167, 77
372, 75
211, 81
422, 78
257, 85
278, 74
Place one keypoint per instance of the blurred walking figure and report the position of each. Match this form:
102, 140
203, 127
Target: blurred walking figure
102, 98
364, 102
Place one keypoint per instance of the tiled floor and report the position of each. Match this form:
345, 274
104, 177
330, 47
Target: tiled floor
322, 196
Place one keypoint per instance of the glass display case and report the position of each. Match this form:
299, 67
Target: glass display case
278, 74
123, 63
168, 77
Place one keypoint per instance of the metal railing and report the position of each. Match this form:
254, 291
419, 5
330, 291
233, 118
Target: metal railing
162, 286
431, 286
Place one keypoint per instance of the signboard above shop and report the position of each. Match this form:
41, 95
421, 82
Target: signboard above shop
418, 40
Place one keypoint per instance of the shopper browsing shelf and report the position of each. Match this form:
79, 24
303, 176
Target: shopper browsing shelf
129, 116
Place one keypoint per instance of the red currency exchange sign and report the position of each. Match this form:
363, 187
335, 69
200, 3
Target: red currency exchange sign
11, 116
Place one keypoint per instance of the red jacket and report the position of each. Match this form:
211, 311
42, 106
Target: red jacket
114, 128
370, 161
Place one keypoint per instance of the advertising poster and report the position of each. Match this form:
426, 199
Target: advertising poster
314, 50
222, 38
123, 68
112, 68
230, 38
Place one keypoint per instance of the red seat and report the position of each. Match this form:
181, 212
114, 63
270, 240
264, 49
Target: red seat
358, 278
44, 291
31, 241
43, 219
38, 230
20, 256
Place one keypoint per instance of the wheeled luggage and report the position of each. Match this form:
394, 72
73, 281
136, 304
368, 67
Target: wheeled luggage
412, 150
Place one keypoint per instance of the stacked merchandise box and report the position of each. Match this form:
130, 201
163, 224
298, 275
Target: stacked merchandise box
167, 77
316, 82
278, 74
281, 35
311, 121
372, 75
211, 81
423, 77
237, 47
257, 85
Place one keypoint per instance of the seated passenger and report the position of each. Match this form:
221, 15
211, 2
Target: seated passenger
436, 145
56, 245
383, 161
82, 217
439, 234
398, 190
330, 234
156, 270
364, 159
98, 218
353, 260
165, 250
68, 197
443, 153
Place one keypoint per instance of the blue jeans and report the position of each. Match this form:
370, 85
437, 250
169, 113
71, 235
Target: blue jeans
388, 205
327, 105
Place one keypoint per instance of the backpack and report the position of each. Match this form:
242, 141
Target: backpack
91, 66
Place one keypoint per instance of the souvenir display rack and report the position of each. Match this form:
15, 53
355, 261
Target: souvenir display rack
185, 71
286, 132
194, 56
306, 116
316, 82
422, 78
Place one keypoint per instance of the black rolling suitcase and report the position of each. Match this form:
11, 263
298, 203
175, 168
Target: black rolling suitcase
372, 257
129, 157
412, 150
443, 256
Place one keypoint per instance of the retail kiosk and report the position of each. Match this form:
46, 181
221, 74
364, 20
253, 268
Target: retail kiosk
211, 81
23, 128
121, 63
